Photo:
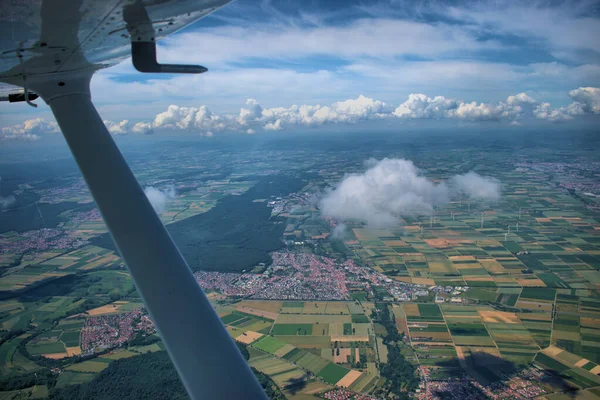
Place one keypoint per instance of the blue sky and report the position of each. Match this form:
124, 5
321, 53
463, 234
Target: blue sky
451, 62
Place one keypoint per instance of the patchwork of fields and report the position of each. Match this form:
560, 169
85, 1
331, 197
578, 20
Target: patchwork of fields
329, 341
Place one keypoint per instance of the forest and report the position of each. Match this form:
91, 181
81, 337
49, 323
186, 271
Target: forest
401, 376
236, 234
148, 376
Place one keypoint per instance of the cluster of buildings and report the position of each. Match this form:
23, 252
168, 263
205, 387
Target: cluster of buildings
306, 276
292, 276
343, 394
524, 385
109, 331
38, 241
459, 389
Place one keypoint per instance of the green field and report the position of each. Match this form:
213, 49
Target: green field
70, 339
45, 347
332, 373
292, 329
268, 344
88, 366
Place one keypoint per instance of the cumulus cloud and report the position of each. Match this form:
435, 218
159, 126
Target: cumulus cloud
125, 127
350, 111
340, 232
34, 129
476, 186
588, 97
420, 106
30, 130
117, 128
392, 188
191, 118
142, 128
159, 198
6, 202
388, 189
514, 111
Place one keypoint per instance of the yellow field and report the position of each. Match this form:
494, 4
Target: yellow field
343, 357
107, 309
531, 282
349, 338
314, 307
395, 243
284, 350
423, 281
337, 308
248, 337
311, 388
321, 330
264, 305
504, 279
499, 316
102, 261
335, 329
349, 379
467, 266
56, 356
254, 311
492, 266
441, 268
311, 319
73, 351
411, 310
460, 258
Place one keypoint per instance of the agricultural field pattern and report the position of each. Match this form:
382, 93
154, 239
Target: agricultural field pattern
474, 292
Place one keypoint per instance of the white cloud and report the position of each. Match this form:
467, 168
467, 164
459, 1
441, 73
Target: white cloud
475, 186
191, 118
392, 188
6, 202
30, 130
564, 27
340, 232
142, 128
251, 113
159, 198
589, 97
125, 127
117, 128
349, 111
515, 110
273, 126
420, 106
381, 37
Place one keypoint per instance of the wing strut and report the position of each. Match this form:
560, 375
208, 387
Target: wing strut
207, 359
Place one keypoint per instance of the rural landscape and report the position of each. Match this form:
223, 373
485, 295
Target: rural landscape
486, 286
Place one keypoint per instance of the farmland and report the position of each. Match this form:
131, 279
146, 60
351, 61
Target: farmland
310, 341
502, 290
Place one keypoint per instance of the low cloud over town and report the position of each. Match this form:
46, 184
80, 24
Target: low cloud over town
392, 188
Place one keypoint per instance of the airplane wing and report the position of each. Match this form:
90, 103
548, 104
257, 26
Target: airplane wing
51, 48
